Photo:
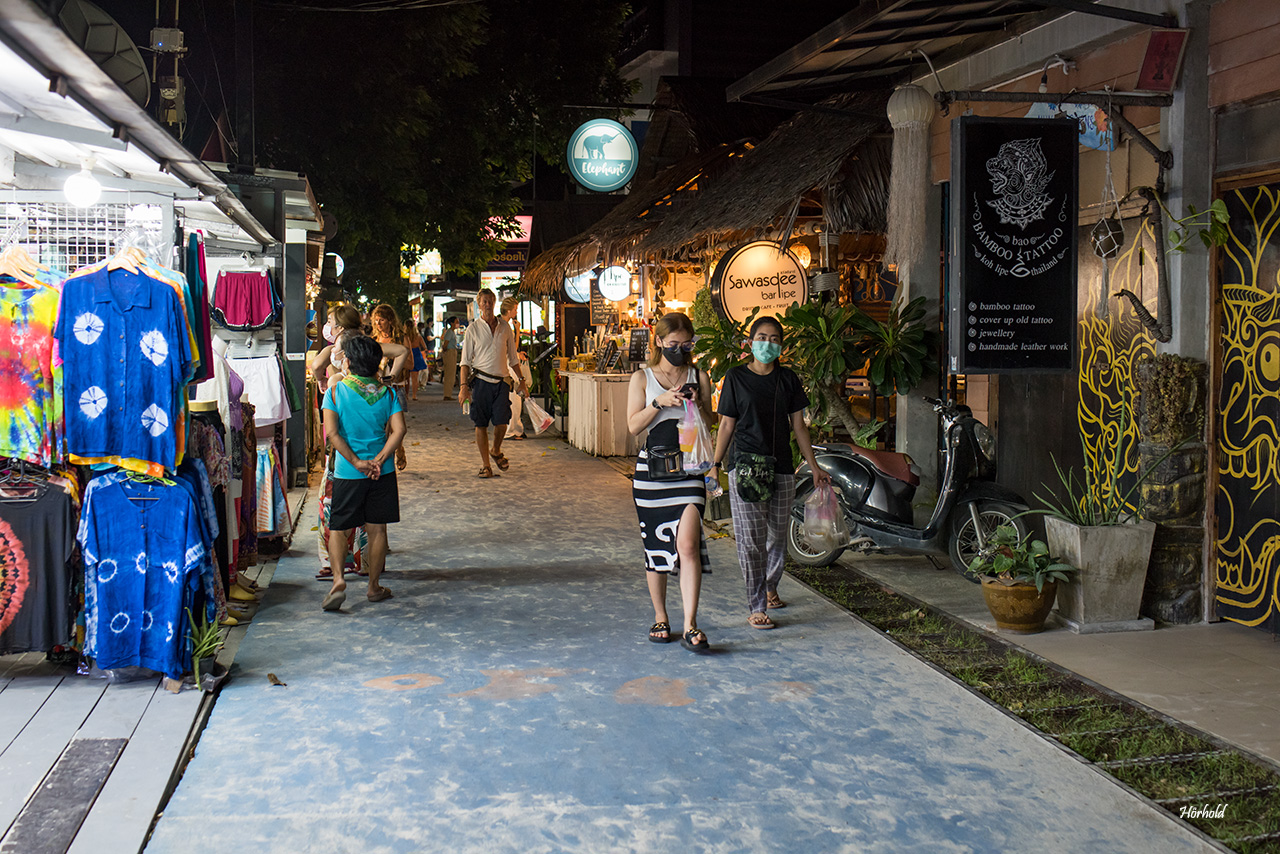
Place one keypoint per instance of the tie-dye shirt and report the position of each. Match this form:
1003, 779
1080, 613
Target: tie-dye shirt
30, 375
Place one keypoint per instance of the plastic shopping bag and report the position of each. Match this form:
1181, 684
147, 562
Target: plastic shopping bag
695, 440
824, 525
541, 420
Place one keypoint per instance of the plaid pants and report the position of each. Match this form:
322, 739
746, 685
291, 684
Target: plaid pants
760, 527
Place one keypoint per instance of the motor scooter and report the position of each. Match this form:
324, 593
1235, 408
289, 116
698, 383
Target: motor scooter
874, 490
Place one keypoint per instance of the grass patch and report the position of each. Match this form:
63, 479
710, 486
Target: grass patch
1164, 740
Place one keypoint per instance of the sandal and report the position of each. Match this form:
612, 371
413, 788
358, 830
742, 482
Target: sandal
487, 472
691, 642
760, 620
381, 594
773, 600
502, 461
325, 574
663, 627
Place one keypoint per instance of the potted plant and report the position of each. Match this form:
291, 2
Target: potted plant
1019, 579
1097, 525
206, 640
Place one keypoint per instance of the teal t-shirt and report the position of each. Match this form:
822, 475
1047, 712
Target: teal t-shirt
363, 425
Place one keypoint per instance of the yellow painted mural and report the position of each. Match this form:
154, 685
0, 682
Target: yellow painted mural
1111, 342
1247, 537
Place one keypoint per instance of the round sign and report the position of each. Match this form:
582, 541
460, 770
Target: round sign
338, 264
757, 274
614, 283
578, 288
602, 155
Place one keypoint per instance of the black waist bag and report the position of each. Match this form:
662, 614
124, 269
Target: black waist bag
666, 461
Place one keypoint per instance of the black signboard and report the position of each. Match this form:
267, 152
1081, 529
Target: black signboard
1013, 226
639, 343
601, 308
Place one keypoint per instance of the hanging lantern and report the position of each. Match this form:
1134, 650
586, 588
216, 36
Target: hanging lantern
910, 109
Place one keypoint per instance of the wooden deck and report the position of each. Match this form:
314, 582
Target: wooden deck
85, 765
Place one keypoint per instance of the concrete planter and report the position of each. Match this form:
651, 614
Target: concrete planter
1106, 594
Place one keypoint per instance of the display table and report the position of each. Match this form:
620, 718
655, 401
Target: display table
598, 414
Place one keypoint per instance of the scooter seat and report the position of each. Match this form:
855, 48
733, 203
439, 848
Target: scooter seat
889, 463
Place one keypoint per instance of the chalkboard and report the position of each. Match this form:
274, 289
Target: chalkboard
601, 309
639, 341
1013, 227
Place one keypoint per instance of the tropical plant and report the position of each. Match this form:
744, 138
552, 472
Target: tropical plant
867, 433
1210, 226
206, 640
721, 345
823, 352
896, 350
1010, 559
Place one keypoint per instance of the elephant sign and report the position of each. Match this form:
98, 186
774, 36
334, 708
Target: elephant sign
602, 155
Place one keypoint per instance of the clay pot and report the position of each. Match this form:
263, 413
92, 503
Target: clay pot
1018, 607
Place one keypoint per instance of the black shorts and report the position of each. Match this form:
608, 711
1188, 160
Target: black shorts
362, 501
490, 403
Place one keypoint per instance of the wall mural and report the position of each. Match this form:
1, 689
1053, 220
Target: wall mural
1111, 342
1247, 501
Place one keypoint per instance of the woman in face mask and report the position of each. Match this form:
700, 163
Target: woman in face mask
655, 403
761, 405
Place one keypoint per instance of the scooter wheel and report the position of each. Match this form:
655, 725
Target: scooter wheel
803, 553
964, 539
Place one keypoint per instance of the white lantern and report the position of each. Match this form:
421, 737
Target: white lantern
911, 109
910, 105
82, 189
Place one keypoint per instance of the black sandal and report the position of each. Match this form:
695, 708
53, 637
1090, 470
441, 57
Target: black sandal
701, 647
660, 627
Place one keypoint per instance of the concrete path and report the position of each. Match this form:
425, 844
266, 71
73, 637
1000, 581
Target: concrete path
507, 700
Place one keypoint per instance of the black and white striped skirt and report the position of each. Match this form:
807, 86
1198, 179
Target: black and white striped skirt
660, 504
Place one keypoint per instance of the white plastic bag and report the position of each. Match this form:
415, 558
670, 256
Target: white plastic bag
541, 420
695, 440
824, 525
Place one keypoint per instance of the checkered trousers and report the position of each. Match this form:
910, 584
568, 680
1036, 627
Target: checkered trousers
760, 527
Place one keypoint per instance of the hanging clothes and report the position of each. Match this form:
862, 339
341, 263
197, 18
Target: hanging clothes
264, 383
37, 540
31, 405
199, 287
143, 559
244, 300
127, 353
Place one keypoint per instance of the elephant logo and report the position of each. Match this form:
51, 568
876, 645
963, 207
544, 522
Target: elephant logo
595, 144
602, 155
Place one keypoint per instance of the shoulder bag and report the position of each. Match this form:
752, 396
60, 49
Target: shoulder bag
756, 471
666, 460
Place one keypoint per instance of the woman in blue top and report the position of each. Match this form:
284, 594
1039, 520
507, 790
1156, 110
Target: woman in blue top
365, 422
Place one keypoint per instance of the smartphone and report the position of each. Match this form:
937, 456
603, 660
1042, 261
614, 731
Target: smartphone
689, 390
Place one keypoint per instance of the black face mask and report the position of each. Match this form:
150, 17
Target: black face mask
675, 355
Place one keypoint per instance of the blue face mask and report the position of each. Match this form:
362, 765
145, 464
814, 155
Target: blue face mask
766, 351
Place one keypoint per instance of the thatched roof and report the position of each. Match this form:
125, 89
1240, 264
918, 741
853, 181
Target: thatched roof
615, 234
829, 148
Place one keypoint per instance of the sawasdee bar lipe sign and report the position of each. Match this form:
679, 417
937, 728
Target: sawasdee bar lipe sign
1013, 229
757, 274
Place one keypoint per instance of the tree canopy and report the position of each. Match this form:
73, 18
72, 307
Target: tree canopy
414, 126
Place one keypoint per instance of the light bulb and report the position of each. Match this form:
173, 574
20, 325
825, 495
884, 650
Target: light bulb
1044, 82
82, 189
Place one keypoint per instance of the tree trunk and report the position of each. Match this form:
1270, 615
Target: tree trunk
838, 407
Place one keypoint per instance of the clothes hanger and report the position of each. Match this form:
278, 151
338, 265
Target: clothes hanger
18, 265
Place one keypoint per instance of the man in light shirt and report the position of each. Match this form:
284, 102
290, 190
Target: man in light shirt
488, 352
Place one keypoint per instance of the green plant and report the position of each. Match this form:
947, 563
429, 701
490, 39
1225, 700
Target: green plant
206, 640
1011, 559
1210, 225
823, 352
702, 312
721, 345
865, 437
896, 350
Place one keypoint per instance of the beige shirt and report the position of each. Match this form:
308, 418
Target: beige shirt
492, 351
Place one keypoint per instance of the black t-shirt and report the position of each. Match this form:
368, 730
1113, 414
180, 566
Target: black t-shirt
762, 427
36, 542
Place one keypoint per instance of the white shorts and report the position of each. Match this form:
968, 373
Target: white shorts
264, 384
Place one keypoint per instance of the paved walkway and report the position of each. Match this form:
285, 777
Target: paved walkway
507, 700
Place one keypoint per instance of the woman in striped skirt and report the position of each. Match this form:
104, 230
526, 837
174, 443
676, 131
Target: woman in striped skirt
670, 511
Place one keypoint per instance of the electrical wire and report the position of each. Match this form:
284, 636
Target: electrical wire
364, 5
217, 73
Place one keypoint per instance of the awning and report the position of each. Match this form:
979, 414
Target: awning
879, 42
60, 109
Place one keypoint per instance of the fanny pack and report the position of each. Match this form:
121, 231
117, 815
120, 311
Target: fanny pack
666, 460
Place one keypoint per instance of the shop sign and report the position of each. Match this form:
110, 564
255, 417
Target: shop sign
510, 258
1013, 228
602, 155
614, 283
759, 274
578, 288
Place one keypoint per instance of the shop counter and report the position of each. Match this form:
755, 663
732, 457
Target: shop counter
598, 414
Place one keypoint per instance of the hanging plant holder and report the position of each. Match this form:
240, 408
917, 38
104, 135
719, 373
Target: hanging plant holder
1107, 236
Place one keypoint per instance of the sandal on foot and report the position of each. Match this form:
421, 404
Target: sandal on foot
334, 600
325, 574
664, 628
383, 593
502, 461
760, 620
487, 472
695, 641
773, 600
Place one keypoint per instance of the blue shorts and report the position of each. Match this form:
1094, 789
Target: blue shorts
490, 403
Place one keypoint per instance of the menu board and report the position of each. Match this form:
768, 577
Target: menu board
601, 308
1013, 227
638, 344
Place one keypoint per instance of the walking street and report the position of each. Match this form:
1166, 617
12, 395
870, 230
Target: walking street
507, 699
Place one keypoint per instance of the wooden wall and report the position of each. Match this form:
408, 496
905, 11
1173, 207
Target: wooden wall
1244, 51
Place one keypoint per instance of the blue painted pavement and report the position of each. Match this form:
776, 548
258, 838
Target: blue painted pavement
507, 700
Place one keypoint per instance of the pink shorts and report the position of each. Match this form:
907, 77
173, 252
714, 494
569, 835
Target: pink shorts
244, 301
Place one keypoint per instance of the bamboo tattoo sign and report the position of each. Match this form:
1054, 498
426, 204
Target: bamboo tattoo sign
1013, 230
